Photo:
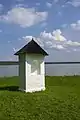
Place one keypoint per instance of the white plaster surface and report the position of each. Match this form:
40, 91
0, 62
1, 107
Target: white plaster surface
33, 73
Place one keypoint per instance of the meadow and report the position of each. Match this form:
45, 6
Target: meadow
60, 100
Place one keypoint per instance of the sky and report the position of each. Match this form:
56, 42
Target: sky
54, 25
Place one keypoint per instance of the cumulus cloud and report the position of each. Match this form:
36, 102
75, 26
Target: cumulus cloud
76, 26
59, 47
44, 35
71, 43
54, 40
25, 17
46, 40
49, 5
27, 38
57, 35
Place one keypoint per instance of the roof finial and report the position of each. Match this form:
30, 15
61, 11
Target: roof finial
33, 39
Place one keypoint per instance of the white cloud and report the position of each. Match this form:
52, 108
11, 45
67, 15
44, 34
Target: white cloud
49, 5
27, 38
71, 43
54, 40
60, 47
58, 31
57, 35
75, 3
25, 17
38, 40
45, 35
76, 26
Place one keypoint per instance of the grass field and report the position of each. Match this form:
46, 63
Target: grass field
60, 100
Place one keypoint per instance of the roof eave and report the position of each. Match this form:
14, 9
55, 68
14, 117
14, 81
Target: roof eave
31, 53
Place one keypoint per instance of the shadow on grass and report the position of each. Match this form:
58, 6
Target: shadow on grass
10, 88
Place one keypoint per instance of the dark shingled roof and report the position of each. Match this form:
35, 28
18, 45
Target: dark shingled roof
31, 47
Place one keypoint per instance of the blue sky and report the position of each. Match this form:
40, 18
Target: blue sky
54, 24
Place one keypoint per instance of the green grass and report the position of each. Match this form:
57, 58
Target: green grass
60, 100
